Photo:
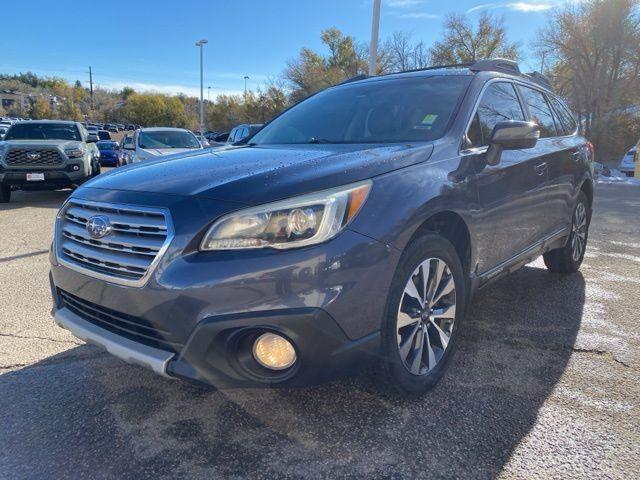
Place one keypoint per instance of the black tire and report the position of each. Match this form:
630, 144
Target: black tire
396, 373
95, 170
563, 260
5, 193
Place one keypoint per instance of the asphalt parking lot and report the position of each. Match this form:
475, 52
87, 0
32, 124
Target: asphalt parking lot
546, 383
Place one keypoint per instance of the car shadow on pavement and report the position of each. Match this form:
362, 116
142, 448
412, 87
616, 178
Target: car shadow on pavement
37, 199
84, 413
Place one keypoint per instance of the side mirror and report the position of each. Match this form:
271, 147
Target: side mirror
92, 138
512, 135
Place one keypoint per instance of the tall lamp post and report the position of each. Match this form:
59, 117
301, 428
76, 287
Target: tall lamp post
373, 46
246, 77
201, 43
208, 93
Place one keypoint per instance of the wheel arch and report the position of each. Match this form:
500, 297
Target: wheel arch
587, 189
453, 227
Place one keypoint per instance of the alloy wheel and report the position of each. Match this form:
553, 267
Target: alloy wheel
579, 236
426, 316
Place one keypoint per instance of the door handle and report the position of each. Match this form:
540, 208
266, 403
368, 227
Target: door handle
541, 168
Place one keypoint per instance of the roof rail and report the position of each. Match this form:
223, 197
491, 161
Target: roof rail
540, 79
354, 79
496, 65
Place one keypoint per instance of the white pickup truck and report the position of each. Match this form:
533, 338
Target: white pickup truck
46, 154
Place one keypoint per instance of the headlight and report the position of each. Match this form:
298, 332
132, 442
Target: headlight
296, 222
3, 148
74, 152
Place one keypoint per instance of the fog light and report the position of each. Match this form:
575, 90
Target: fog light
76, 168
274, 352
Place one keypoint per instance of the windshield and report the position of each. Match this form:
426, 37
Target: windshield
387, 111
106, 145
168, 139
43, 131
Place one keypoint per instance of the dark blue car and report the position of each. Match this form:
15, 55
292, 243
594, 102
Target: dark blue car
354, 227
108, 153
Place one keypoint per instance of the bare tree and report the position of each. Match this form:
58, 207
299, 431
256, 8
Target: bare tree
463, 43
592, 53
403, 54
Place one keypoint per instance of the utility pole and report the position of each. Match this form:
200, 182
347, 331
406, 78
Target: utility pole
201, 43
91, 87
209, 94
373, 46
245, 84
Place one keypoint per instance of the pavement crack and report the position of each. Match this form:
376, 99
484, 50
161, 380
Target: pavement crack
596, 351
23, 255
29, 337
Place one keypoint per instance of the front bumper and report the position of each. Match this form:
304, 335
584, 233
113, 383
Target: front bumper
218, 351
119, 346
108, 161
53, 178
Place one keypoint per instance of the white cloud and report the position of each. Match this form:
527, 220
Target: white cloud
167, 89
480, 7
528, 7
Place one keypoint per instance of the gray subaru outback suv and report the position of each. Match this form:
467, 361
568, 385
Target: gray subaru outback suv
353, 227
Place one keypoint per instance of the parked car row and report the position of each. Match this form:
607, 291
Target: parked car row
110, 127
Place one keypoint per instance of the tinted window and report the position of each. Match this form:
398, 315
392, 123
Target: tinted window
499, 104
168, 139
566, 119
540, 111
389, 110
43, 131
103, 145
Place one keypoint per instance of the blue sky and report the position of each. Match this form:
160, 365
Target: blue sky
149, 45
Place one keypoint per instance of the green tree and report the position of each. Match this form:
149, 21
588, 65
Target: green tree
41, 109
126, 92
313, 71
464, 43
154, 109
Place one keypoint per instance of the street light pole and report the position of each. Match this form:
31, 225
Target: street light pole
201, 43
208, 93
245, 84
373, 46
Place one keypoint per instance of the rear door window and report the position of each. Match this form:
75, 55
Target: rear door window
499, 103
540, 111
564, 116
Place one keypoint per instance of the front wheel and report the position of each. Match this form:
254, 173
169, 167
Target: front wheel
424, 313
5, 193
569, 258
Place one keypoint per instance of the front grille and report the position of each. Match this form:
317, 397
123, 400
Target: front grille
127, 254
37, 157
128, 326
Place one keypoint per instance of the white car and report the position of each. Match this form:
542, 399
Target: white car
149, 143
627, 165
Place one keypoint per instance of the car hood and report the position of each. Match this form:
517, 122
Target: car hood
258, 174
43, 143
